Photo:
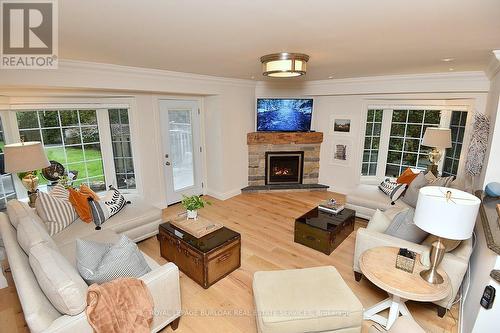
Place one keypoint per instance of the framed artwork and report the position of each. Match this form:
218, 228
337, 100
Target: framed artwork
341, 152
340, 125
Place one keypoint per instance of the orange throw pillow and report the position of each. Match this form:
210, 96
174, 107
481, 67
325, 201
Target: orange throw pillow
88, 191
407, 177
79, 200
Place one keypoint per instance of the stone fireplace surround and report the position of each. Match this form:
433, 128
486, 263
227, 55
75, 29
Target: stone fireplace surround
261, 142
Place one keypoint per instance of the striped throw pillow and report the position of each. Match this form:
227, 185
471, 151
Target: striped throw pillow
60, 192
103, 262
55, 212
108, 206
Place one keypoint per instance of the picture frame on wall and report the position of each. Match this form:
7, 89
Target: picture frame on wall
341, 151
340, 125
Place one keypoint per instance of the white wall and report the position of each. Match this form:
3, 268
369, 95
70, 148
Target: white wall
483, 260
351, 97
227, 105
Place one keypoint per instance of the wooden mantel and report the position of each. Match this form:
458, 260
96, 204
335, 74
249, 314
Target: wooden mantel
283, 138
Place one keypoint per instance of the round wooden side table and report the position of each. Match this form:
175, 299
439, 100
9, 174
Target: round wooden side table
379, 266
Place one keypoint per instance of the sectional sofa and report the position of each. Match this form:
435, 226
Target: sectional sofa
138, 221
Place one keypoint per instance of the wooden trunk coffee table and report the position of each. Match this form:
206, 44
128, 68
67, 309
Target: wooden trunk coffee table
379, 266
206, 260
323, 231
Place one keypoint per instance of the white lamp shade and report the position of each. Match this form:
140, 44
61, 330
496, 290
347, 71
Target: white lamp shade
25, 156
437, 137
452, 218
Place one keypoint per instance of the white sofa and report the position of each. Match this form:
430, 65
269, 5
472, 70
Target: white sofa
138, 221
365, 199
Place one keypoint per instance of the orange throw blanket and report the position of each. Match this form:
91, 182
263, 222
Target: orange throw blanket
120, 306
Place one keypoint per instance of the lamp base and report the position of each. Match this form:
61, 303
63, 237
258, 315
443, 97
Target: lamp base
32, 196
30, 182
432, 276
437, 253
433, 168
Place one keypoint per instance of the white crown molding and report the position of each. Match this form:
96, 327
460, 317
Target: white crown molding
494, 65
148, 72
390, 84
81, 75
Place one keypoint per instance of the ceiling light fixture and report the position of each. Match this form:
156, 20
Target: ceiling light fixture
284, 64
447, 59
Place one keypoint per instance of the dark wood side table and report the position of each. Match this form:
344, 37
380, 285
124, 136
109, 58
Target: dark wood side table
324, 231
205, 260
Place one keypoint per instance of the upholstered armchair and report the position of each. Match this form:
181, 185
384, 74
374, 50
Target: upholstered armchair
454, 263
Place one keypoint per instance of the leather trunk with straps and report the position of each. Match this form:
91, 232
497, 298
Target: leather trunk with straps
205, 260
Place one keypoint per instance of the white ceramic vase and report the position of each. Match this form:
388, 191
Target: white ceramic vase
192, 214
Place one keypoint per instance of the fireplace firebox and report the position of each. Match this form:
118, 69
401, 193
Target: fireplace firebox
284, 167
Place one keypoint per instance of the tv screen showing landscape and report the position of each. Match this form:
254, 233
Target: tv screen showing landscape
285, 115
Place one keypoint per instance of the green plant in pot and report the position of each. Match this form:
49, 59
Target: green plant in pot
192, 204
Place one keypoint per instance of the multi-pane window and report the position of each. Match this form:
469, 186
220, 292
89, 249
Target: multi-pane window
70, 137
7, 190
122, 150
400, 145
452, 157
372, 142
407, 130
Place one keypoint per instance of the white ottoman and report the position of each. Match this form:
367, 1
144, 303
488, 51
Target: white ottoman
305, 300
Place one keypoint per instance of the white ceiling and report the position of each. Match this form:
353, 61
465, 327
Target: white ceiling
346, 38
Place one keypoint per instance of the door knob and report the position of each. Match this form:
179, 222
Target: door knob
167, 163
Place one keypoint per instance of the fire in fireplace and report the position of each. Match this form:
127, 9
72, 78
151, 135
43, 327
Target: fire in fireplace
284, 167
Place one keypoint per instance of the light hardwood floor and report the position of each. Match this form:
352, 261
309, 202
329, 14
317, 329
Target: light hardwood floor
265, 222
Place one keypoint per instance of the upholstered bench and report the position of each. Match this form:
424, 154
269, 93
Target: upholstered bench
305, 300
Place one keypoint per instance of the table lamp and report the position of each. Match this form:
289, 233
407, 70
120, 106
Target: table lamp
26, 157
438, 139
447, 213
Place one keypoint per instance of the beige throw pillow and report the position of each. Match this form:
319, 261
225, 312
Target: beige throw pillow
379, 222
58, 279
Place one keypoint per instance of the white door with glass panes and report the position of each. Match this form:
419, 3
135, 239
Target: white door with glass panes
180, 127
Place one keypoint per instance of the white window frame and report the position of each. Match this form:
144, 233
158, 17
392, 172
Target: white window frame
386, 130
11, 130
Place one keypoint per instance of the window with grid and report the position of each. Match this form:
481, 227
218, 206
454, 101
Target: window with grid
372, 142
407, 130
122, 150
7, 190
452, 157
70, 137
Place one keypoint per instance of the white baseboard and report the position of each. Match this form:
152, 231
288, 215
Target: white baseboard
223, 195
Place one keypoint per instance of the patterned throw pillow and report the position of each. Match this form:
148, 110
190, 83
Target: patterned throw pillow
108, 206
392, 189
102, 262
403, 227
387, 186
56, 212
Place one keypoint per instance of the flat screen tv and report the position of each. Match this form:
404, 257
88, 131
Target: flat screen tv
284, 114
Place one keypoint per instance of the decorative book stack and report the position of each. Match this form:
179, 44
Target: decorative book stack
331, 206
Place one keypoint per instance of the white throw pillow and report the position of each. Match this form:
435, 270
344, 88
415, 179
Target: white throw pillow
58, 279
379, 222
31, 233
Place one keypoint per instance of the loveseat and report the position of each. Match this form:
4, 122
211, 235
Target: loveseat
138, 221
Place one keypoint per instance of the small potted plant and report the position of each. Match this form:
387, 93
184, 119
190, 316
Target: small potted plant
192, 204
